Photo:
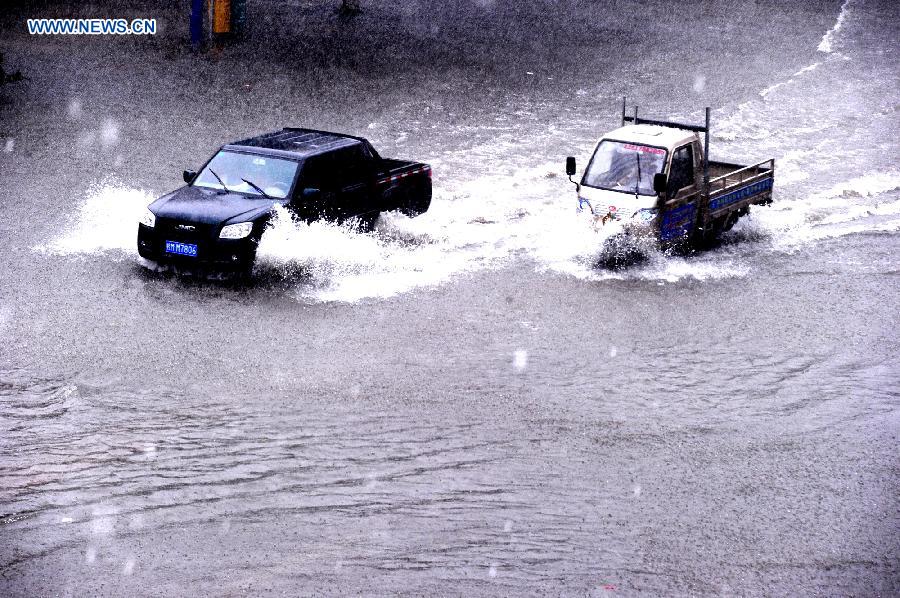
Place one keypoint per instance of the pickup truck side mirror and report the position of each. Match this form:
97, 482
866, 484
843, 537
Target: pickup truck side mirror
570, 166
310, 194
660, 181
189, 176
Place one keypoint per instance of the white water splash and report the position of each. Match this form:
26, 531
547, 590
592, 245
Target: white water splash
741, 124
333, 262
106, 220
827, 43
867, 203
807, 69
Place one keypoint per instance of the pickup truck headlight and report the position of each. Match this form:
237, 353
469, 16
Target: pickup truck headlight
236, 231
148, 219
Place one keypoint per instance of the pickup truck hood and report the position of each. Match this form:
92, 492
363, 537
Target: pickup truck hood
209, 206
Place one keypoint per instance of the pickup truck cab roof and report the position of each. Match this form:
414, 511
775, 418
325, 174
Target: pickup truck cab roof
298, 144
653, 135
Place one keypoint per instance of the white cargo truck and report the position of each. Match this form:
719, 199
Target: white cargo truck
654, 179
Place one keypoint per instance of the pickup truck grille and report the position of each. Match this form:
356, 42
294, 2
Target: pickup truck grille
174, 230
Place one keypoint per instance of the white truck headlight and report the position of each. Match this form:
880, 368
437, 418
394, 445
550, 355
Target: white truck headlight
236, 231
148, 219
646, 214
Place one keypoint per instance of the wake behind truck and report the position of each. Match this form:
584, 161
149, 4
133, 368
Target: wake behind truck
218, 217
654, 180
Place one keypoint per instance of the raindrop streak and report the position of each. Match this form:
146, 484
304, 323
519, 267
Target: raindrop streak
520, 360
128, 567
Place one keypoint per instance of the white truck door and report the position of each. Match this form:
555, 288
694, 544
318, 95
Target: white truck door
679, 213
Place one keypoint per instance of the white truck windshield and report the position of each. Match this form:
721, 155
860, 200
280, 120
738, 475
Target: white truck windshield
248, 173
616, 164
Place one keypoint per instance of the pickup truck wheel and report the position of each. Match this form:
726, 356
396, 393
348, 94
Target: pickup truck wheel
730, 221
366, 222
244, 269
414, 201
416, 207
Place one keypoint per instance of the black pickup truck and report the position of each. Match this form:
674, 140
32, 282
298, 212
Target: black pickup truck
218, 218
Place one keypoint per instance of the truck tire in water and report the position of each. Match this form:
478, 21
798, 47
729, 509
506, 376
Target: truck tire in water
730, 221
417, 200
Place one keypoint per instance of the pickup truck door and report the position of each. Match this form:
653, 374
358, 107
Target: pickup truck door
356, 179
344, 178
679, 209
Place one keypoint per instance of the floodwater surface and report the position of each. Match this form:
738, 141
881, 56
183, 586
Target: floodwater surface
462, 403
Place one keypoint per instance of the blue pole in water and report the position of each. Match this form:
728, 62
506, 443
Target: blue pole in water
196, 22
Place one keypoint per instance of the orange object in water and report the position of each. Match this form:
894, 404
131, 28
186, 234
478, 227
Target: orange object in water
221, 16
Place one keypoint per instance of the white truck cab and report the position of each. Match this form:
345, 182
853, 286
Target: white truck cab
618, 181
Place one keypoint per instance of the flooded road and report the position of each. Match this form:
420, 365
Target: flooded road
461, 403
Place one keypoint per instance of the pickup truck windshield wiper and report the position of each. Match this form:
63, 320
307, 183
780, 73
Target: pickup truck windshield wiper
255, 186
221, 182
637, 185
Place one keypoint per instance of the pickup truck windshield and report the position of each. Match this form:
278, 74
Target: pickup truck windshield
615, 167
274, 176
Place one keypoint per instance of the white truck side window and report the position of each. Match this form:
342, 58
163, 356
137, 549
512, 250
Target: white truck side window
682, 174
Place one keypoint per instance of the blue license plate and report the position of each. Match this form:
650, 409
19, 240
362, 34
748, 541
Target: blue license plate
176, 248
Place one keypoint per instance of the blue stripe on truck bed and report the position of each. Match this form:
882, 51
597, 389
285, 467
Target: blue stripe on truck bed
739, 194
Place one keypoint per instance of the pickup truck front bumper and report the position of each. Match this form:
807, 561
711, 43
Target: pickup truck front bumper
211, 251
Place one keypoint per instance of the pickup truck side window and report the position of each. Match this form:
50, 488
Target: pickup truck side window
355, 166
337, 169
321, 172
682, 174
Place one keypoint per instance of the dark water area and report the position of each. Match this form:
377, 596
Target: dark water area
461, 403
